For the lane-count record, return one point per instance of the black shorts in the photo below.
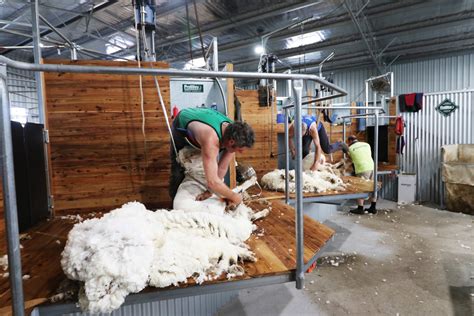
(323, 142)
(177, 172)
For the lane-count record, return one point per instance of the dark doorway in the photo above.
(383, 141)
(30, 174)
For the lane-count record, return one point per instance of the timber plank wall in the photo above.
(97, 147)
(261, 120)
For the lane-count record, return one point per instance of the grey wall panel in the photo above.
(427, 131)
(200, 305)
(389, 187)
(445, 73)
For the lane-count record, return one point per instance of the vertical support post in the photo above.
(392, 85)
(289, 85)
(215, 54)
(73, 53)
(39, 78)
(441, 182)
(287, 159)
(231, 114)
(376, 152)
(375, 102)
(151, 35)
(418, 169)
(37, 58)
(344, 136)
(298, 93)
(9, 199)
(366, 95)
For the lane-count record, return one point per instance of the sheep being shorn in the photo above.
(132, 247)
(193, 185)
(313, 181)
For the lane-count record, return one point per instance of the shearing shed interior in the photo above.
(204, 157)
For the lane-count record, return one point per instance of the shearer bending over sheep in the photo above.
(218, 138)
(313, 131)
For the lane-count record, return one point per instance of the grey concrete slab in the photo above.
(406, 260)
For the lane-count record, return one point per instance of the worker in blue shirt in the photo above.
(313, 132)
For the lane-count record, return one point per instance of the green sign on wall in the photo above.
(193, 88)
(446, 107)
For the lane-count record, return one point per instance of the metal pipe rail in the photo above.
(338, 107)
(7, 156)
(165, 72)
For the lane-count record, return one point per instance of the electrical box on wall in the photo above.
(191, 93)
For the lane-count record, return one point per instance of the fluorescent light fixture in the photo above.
(305, 39)
(296, 56)
(116, 43)
(127, 57)
(195, 63)
(259, 49)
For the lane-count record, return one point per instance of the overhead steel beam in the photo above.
(434, 46)
(19, 24)
(61, 35)
(364, 37)
(332, 44)
(241, 19)
(110, 29)
(27, 35)
(86, 15)
(310, 27)
(100, 6)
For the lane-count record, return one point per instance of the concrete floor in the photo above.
(410, 260)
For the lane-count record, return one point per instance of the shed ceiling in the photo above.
(359, 32)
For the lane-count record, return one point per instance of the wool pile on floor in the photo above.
(132, 247)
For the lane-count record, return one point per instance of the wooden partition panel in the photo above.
(99, 158)
(261, 120)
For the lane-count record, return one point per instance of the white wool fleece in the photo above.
(112, 255)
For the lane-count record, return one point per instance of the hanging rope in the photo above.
(165, 113)
(142, 98)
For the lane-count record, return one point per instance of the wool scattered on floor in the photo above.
(131, 247)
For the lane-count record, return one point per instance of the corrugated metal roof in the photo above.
(401, 29)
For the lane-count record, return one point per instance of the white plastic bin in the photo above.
(406, 188)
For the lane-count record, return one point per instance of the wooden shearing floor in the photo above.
(275, 251)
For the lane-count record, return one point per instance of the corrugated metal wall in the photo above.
(427, 131)
(200, 305)
(446, 73)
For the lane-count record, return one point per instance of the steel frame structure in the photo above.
(8, 170)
